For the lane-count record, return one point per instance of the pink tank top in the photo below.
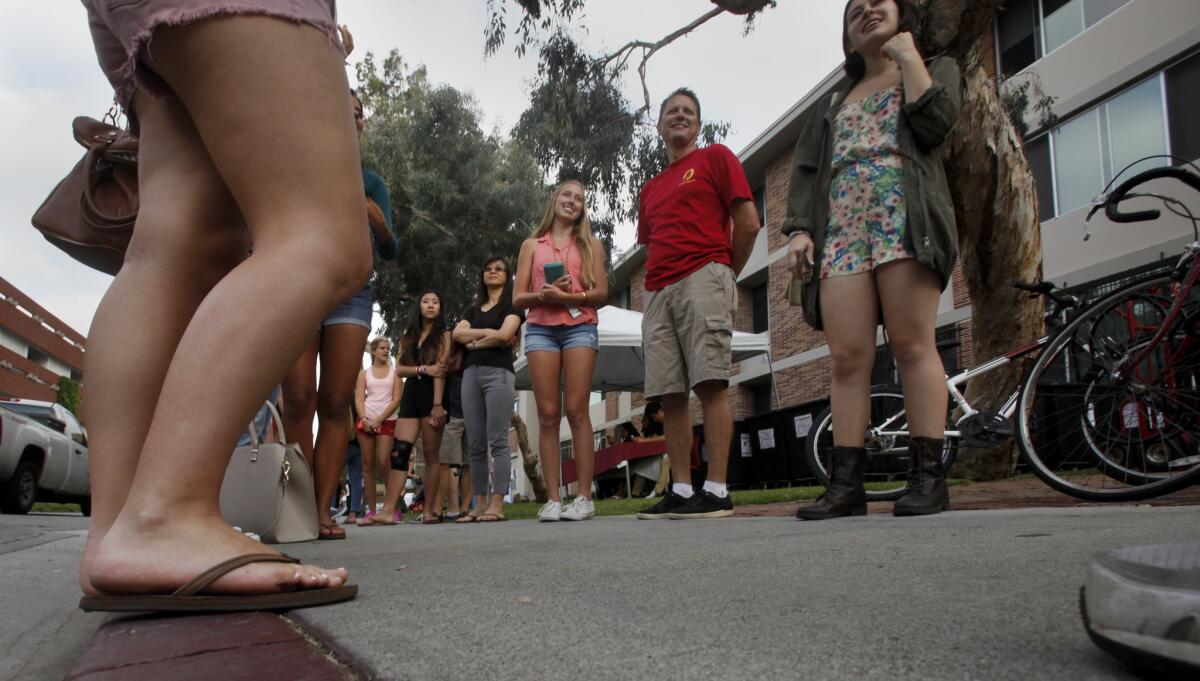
(379, 393)
(548, 314)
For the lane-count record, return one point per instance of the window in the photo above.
(760, 204)
(1183, 107)
(1028, 30)
(759, 310)
(1074, 162)
(565, 449)
(761, 396)
(595, 397)
(37, 356)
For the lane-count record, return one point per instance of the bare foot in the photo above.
(160, 556)
(85, 564)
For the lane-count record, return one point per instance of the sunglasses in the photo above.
(501, 270)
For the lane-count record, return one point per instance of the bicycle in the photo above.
(1108, 411)
(887, 435)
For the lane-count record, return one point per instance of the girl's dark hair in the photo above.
(650, 427)
(431, 349)
(506, 295)
(910, 21)
(628, 430)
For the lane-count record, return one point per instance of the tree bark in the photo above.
(996, 207)
(533, 469)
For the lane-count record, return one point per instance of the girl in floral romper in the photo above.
(871, 234)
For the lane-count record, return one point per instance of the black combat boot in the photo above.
(927, 493)
(844, 495)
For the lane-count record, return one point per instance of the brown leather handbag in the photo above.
(90, 213)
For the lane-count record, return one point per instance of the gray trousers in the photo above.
(487, 398)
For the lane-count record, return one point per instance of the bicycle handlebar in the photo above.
(1110, 205)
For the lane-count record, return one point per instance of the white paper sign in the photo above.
(747, 450)
(766, 439)
(803, 425)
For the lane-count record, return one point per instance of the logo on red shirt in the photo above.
(689, 176)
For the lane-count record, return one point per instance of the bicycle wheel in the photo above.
(1091, 424)
(887, 455)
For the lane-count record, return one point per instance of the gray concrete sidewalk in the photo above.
(42, 631)
(963, 595)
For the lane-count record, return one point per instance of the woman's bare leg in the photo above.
(431, 444)
(849, 307)
(578, 366)
(545, 372)
(299, 387)
(406, 431)
(341, 359)
(910, 292)
(267, 100)
(171, 265)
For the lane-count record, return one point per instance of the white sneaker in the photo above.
(580, 509)
(551, 511)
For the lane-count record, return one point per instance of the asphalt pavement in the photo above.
(962, 595)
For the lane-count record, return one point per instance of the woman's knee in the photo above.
(912, 349)
(578, 415)
(851, 363)
(334, 403)
(548, 416)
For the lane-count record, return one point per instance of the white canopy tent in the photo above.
(620, 365)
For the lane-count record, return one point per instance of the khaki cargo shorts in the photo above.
(687, 331)
(451, 451)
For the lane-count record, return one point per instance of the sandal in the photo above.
(382, 520)
(365, 520)
(466, 519)
(431, 520)
(350, 519)
(188, 598)
(331, 532)
(492, 518)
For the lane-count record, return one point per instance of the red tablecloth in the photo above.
(609, 457)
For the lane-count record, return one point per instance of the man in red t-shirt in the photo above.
(684, 218)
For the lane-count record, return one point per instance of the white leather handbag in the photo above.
(268, 489)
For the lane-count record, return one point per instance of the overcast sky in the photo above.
(48, 75)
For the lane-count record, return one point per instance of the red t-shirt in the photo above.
(684, 214)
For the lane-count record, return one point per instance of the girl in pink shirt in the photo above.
(376, 397)
(561, 338)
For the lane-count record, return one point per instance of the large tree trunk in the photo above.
(995, 202)
(533, 470)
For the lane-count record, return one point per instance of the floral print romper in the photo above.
(867, 210)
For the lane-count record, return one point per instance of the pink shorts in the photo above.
(122, 31)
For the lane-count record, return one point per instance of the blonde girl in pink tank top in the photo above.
(376, 396)
(561, 337)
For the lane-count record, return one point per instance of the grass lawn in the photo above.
(41, 507)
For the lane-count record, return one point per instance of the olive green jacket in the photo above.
(924, 124)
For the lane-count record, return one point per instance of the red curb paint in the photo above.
(252, 646)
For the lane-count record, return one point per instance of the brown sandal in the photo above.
(331, 532)
(188, 598)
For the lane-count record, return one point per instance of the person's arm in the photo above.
(438, 415)
(498, 338)
(360, 392)
(381, 222)
(932, 115)
(523, 297)
(463, 333)
(394, 403)
(745, 231)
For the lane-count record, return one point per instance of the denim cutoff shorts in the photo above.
(357, 310)
(122, 31)
(561, 337)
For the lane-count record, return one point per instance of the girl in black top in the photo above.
(488, 331)
(424, 349)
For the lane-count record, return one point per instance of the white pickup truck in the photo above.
(43, 456)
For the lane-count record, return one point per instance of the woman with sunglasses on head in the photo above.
(424, 348)
(561, 337)
(488, 331)
(871, 229)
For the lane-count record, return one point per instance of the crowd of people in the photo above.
(248, 137)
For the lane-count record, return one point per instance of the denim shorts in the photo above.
(559, 338)
(357, 310)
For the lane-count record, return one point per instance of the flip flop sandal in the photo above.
(380, 520)
(188, 598)
(466, 519)
(435, 520)
(365, 520)
(492, 518)
(330, 532)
